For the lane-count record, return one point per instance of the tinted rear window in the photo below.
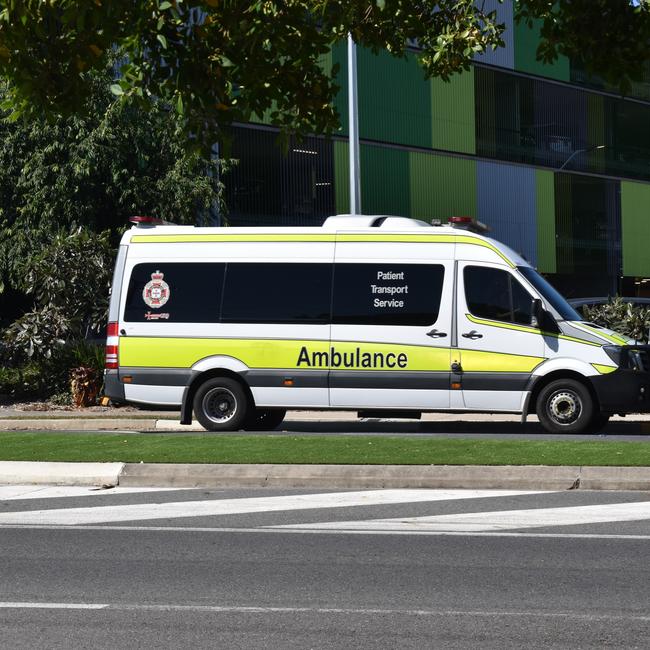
(175, 292)
(277, 293)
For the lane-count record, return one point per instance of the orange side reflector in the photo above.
(288, 381)
(127, 379)
(456, 385)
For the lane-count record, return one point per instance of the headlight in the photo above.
(626, 357)
(614, 352)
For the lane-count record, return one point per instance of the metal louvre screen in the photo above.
(537, 122)
(269, 186)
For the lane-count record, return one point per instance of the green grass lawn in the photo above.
(363, 450)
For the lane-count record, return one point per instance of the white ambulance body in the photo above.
(382, 315)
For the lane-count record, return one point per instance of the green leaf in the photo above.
(116, 89)
(164, 5)
(162, 40)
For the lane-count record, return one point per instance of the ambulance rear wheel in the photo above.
(221, 404)
(565, 406)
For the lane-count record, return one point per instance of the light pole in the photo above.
(577, 151)
(353, 119)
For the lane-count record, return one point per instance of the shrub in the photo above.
(622, 317)
(69, 280)
(26, 382)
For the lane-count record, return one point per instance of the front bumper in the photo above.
(623, 391)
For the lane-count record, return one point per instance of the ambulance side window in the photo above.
(387, 294)
(496, 295)
(174, 292)
(277, 293)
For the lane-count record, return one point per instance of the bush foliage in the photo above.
(67, 188)
(623, 317)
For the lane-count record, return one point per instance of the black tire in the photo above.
(264, 419)
(565, 406)
(598, 422)
(221, 404)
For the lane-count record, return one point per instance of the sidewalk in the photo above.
(326, 477)
(129, 419)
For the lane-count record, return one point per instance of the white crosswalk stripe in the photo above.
(479, 513)
(497, 521)
(213, 507)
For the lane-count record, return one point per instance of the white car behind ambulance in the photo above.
(381, 315)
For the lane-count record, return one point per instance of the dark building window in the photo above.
(277, 293)
(174, 292)
(496, 295)
(588, 235)
(528, 120)
(270, 186)
(387, 294)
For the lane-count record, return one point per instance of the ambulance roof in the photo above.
(338, 223)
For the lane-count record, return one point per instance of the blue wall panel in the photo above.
(506, 203)
(503, 56)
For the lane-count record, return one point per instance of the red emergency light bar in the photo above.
(141, 220)
(468, 223)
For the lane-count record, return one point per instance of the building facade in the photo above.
(555, 163)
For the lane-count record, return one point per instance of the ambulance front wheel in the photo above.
(565, 406)
(221, 404)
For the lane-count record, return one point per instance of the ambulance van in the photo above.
(386, 316)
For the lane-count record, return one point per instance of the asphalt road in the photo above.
(615, 432)
(297, 569)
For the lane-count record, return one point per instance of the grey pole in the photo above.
(353, 115)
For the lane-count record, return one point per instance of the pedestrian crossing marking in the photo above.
(215, 507)
(473, 522)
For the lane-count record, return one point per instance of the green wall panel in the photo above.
(635, 228)
(545, 203)
(341, 177)
(394, 99)
(453, 113)
(441, 186)
(384, 181)
(526, 42)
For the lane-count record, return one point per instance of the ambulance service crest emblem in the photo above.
(156, 291)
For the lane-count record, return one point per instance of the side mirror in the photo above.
(542, 319)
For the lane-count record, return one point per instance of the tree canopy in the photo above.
(222, 61)
(93, 171)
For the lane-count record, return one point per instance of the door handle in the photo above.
(472, 335)
(435, 334)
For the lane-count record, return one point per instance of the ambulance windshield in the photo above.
(550, 294)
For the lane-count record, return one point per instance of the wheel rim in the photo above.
(219, 405)
(564, 407)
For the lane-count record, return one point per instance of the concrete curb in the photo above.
(356, 476)
(77, 424)
(37, 473)
(502, 477)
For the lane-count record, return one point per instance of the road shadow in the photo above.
(637, 429)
